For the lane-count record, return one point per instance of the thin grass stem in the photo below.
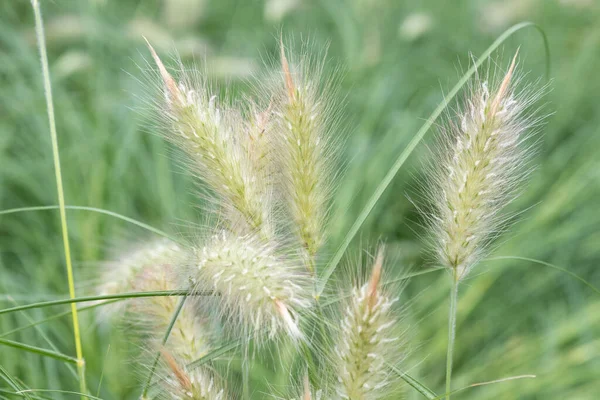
(41, 40)
(451, 332)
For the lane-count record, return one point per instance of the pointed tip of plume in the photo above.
(169, 82)
(306, 383)
(285, 66)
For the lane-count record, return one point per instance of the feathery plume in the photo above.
(213, 136)
(305, 119)
(128, 272)
(367, 341)
(481, 166)
(257, 288)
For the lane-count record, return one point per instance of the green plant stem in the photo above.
(41, 40)
(451, 332)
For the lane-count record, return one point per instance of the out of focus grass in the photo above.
(515, 317)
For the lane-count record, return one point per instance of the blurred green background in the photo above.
(515, 317)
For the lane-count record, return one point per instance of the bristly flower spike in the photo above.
(212, 134)
(368, 341)
(305, 121)
(258, 290)
(481, 167)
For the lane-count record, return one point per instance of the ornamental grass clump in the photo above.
(250, 276)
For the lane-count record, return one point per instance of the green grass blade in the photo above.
(93, 209)
(215, 353)
(45, 337)
(84, 299)
(330, 268)
(38, 350)
(415, 384)
(87, 396)
(547, 264)
(52, 317)
(511, 378)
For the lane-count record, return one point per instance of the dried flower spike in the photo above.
(367, 341)
(480, 170)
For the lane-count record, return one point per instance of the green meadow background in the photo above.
(398, 58)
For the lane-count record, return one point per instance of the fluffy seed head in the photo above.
(214, 136)
(129, 271)
(305, 117)
(258, 289)
(367, 341)
(482, 163)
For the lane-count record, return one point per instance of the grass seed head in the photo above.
(196, 384)
(305, 115)
(214, 135)
(482, 163)
(368, 340)
(128, 273)
(258, 289)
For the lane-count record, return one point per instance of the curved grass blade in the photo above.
(510, 378)
(52, 317)
(93, 209)
(84, 299)
(38, 350)
(418, 386)
(415, 141)
(44, 336)
(88, 396)
(547, 264)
